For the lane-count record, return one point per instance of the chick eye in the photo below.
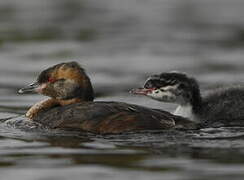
(162, 90)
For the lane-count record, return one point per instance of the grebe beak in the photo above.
(30, 88)
(142, 91)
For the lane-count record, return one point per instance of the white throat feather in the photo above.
(186, 112)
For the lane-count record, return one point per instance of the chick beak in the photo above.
(141, 91)
(30, 88)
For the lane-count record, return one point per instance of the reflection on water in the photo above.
(169, 154)
(120, 43)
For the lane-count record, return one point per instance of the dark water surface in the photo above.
(120, 43)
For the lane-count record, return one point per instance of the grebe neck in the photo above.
(185, 111)
(192, 108)
(196, 101)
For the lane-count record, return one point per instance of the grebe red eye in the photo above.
(51, 80)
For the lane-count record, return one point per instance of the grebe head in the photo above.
(171, 87)
(63, 81)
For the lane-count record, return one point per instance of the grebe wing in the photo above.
(106, 117)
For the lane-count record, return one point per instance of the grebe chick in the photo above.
(71, 106)
(221, 107)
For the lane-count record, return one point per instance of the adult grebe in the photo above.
(71, 106)
(221, 107)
